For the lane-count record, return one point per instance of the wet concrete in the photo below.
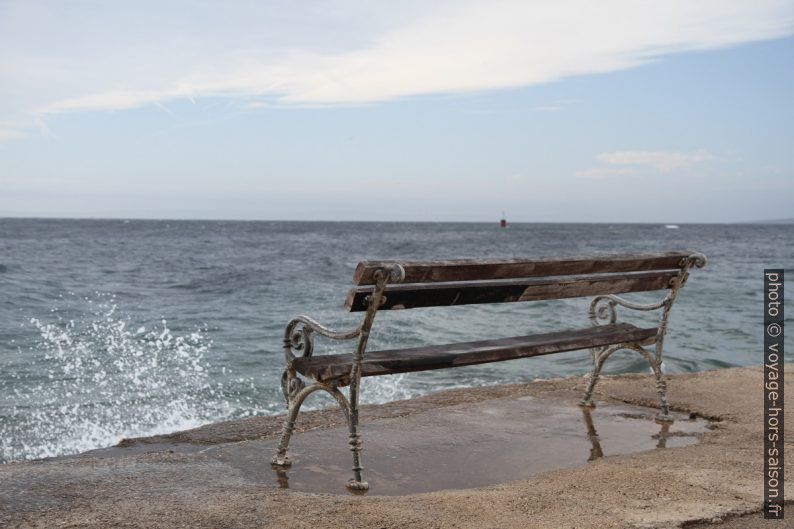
(454, 447)
(218, 475)
(460, 447)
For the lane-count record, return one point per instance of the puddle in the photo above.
(464, 446)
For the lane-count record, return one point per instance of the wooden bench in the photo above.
(392, 285)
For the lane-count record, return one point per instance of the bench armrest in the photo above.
(298, 336)
(602, 308)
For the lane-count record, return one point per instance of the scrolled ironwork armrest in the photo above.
(298, 336)
(602, 307)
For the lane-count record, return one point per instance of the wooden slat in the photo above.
(337, 367)
(413, 295)
(481, 269)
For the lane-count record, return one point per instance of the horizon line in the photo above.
(199, 219)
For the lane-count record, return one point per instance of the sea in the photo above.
(112, 329)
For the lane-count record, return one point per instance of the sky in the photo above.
(577, 111)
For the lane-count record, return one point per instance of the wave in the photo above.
(90, 382)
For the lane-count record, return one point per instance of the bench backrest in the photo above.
(468, 281)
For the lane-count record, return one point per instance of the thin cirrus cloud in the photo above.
(634, 162)
(558, 106)
(662, 161)
(338, 52)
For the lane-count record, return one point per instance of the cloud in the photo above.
(634, 162)
(600, 173)
(662, 161)
(557, 106)
(107, 56)
(10, 134)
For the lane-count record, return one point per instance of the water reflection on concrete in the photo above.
(468, 446)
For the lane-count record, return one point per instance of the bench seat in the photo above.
(336, 368)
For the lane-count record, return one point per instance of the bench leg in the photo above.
(661, 389)
(281, 459)
(357, 482)
(599, 357)
(587, 400)
(291, 385)
(294, 401)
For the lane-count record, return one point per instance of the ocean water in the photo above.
(122, 328)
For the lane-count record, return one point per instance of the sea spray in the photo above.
(88, 382)
(92, 378)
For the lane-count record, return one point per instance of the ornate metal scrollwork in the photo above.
(299, 336)
(322, 329)
(602, 308)
(302, 341)
(697, 259)
(291, 385)
(396, 273)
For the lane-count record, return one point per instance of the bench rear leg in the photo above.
(661, 389)
(598, 363)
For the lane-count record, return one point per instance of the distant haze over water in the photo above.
(121, 328)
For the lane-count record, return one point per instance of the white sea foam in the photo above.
(89, 383)
(376, 390)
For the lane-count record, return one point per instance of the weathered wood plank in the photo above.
(326, 368)
(414, 295)
(480, 269)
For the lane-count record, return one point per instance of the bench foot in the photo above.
(357, 485)
(661, 390)
(357, 481)
(664, 418)
(281, 461)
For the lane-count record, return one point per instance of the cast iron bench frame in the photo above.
(385, 285)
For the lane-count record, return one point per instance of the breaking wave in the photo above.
(89, 383)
